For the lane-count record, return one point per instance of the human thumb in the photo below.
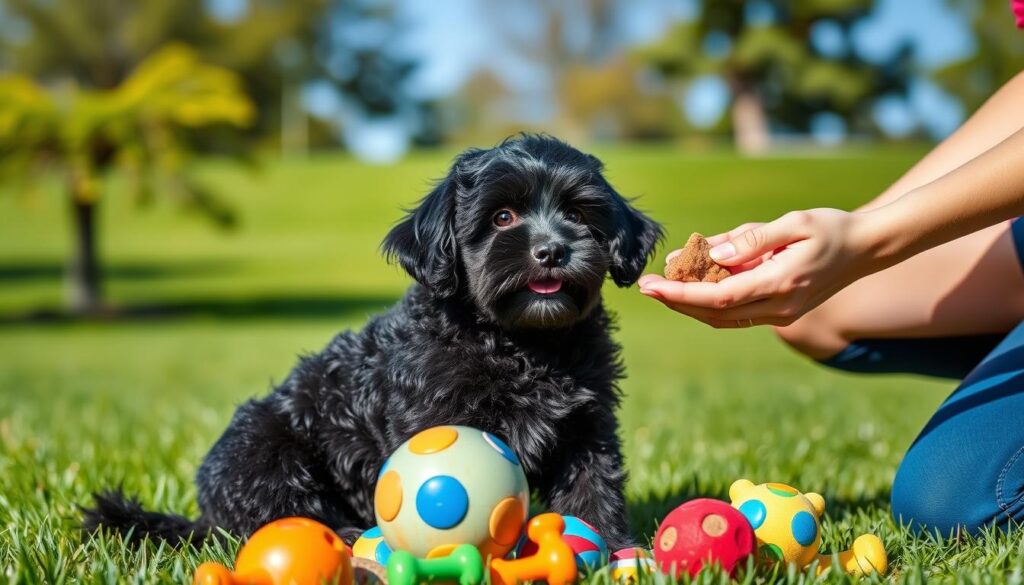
(753, 243)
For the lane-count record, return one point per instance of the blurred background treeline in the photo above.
(142, 88)
(381, 76)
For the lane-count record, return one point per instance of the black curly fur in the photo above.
(113, 508)
(469, 344)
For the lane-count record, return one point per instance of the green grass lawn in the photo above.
(139, 401)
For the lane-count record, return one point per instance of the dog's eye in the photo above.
(504, 218)
(574, 215)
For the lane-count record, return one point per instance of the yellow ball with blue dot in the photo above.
(452, 485)
(785, 521)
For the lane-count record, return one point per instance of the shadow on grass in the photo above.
(839, 507)
(43, 270)
(299, 307)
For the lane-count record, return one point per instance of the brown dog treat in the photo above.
(695, 263)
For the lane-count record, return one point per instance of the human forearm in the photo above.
(994, 121)
(984, 191)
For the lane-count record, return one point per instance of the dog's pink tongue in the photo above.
(546, 286)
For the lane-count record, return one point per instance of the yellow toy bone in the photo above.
(787, 524)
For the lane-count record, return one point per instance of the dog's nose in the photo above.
(550, 254)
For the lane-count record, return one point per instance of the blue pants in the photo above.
(966, 468)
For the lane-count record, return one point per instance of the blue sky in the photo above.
(455, 38)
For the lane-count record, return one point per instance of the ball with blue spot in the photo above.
(805, 528)
(502, 448)
(785, 520)
(371, 545)
(448, 486)
(442, 502)
(755, 512)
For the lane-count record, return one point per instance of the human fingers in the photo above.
(778, 311)
(761, 240)
(726, 236)
(736, 290)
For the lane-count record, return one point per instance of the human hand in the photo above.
(781, 269)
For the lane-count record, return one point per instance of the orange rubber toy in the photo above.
(289, 551)
(554, 561)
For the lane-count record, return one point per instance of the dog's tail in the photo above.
(115, 511)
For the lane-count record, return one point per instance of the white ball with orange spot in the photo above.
(448, 486)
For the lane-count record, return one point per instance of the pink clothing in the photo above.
(1018, 10)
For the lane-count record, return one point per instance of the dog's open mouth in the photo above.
(545, 286)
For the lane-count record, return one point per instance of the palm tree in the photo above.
(139, 128)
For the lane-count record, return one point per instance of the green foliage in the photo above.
(89, 405)
(138, 127)
(999, 54)
(271, 45)
(97, 44)
(609, 101)
(775, 61)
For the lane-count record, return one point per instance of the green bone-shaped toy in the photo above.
(463, 565)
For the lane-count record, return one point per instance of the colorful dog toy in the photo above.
(554, 561)
(371, 545)
(788, 529)
(462, 565)
(289, 551)
(627, 564)
(702, 533)
(448, 486)
(368, 572)
(582, 538)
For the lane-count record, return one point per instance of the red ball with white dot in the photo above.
(702, 533)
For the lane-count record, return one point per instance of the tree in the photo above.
(773, 71)
(610, 101)
(97, 44)
(276, 46)
(998, 57)
(361, 54)
(567, 43)
(141, 128)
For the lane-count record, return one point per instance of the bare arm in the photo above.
(791, 265)
(994, 122)
(984, 191)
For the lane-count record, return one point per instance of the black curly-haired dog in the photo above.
(505, 331)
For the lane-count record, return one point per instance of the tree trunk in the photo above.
(749, 123)
(84, 295)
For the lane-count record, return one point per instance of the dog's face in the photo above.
(526, 232)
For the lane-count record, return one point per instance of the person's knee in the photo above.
(930, 495)
(814, 335)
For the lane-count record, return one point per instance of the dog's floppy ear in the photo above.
(424, 242)
(631, 242)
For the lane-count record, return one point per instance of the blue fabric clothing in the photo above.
(945, 357)
(966, 468)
